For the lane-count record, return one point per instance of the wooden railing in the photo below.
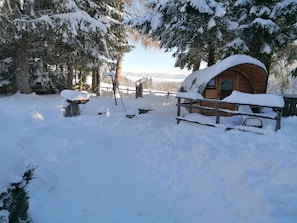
(218, 108)
(290, 108)
(129, 90)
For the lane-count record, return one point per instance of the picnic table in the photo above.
(196, 102)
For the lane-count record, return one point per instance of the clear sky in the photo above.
(150, 60)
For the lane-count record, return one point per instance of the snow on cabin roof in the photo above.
(271, 100)
(198, 80)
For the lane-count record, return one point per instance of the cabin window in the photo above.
(226, 87)
(211, 83)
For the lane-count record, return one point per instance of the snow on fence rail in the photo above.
(196, 103)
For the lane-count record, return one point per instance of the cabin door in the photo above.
(226, 87)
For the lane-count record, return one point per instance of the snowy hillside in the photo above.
(112, 169)
(157, 76)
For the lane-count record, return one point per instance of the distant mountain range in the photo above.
(156, 76)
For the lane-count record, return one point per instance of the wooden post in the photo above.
(136, 91)
(278, 119)
(191, 104)
(290, 107)
(178, 109)
(141, 90)
(72, 109)
(139, 87)
(217, 112)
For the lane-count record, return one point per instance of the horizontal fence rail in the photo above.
(217, 107)
(145, 91)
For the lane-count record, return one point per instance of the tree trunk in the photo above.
(266, 59)
(70, 76)
(263, 57)
(81, 82)
(211, 56)
(22, 67)
(120, 59)
(96, 81)
(197, 63)
(118, 71)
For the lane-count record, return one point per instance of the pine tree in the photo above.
(6, 68)
(14, 26)
(212, 30)
(193, 29)
(261, 29)
(14, 203)
(78, 33)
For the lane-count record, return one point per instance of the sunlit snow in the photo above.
(111, 169)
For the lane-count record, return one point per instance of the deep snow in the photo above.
(112, 169)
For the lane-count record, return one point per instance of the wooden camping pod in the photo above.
(247, 78)
(237, 72)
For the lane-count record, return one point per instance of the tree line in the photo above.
(211, 30)
(44, 42)
(47, 44)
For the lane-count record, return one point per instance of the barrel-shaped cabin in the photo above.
(238, 72)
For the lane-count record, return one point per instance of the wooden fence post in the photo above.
(278, 119)
(178, 109)
(217, 113)
(290, 107)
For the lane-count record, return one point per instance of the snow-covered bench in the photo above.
(243, 101)
(73, 99)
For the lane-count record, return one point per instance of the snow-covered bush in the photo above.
(40, 79)
(14, 203)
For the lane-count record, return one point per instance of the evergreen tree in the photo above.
(15, 32)
(193, 29)
(6, 68)
(81, 33)
(14, 203)
(283, 66)
(211, 30)
(262, 28)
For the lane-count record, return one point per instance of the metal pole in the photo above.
(122, 100)
(114, 89)
(115, 86)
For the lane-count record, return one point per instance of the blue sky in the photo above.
(150, 60)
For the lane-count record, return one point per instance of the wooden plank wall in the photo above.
(290, 108)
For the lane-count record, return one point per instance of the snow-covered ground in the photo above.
(111, 169)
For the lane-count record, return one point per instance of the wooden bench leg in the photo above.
(72, 109)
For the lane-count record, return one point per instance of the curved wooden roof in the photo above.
(253, 69)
